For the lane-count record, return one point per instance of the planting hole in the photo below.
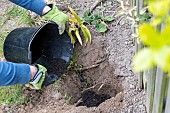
(92, 99)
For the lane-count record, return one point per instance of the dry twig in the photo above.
(89, 67)
(78, 102)
(95, 4)
(92, 87)
(97, 63)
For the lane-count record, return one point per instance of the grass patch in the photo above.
(12, 95)
(20, 13)
(3, 35)
(2, 39)
(14, 13)
(1, 48)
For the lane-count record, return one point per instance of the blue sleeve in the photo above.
(12, 73)
(36, 6)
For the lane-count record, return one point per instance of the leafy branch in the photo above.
(129, 14)
(98, 20)
(76, 23)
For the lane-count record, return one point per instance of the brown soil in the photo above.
(111, 83)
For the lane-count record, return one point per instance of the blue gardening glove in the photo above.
(58, 17)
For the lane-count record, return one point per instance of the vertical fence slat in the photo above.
(134, 3)
(140, 77)
(150, 89)
(145, 79)
(139, 5)
(159, 91)
(140, 80)
(167, 107)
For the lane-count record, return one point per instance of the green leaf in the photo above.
(165, 35)
(156, 21)
(96, 16)
(159, 7)
(86, 33)
(143, 60)
(168, 19)
(108, 18)
(76, 16)
(101, 27)
(95, 22)
(99, 7)
(71, 32)
(162, 58)
(88, 19)
(144, 17)
(78, 36)
(102, 17)
(86, 13)
(149, 36)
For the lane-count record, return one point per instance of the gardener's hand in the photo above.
(58, 17)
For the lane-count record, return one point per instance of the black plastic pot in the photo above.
(42, 45)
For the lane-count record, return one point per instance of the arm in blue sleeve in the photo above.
(36, 6)
(12, 73)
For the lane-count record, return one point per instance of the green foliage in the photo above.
(144, 17)
(101, 27)
(149, 57)
(2, 21)
(98, 20)
(126, 13)
(76, 23)
(73, 63)
(22, 15)
(159, 7)
(11, 95)
(157, 42)
(143, 59)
